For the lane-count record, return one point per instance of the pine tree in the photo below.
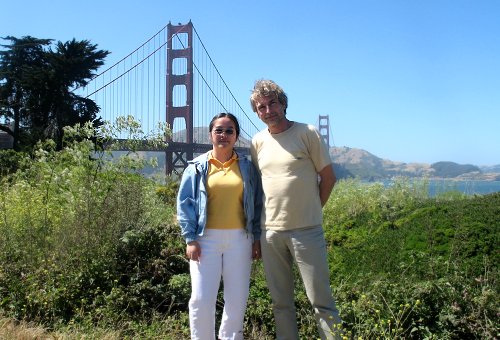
(36, 88)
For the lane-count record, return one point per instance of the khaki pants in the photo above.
(307, 248)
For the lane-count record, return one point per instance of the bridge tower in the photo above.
(177, 154)
(324, 128)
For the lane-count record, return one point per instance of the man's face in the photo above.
(270, 110)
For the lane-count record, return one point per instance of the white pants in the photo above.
(225, 253)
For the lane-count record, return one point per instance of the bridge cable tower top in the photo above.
(324, 128)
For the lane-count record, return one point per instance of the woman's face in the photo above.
(223, 134)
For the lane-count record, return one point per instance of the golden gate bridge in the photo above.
(172, 79)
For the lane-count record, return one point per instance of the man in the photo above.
(297, 179)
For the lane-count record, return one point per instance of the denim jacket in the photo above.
(192, 198)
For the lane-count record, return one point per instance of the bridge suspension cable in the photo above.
(136, 85)
(224, 82)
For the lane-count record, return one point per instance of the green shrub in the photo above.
(168, 192)
(11, 161)
(75, 231)
(90, 246)
(425, 272)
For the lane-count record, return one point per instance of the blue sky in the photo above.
(406, 80)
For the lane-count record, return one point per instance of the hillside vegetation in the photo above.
(89, 248)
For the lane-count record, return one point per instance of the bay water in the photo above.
(468, 187)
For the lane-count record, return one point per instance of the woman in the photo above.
(218, 208)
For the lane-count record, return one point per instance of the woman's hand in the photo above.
(193, 251)
(256, 254)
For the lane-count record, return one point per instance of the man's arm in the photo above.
(327, 182)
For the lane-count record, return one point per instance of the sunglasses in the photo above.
(221, 131)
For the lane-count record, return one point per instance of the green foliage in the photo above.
(89, 245)
(449, 302)
(259, 314)
(125, 133)
(36, 88)
(168, 192)
(84, 236)
(11, 161)
(406, 266)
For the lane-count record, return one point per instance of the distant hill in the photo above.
(361, 164)
(492, 168)
(450, 169)
(352, 162)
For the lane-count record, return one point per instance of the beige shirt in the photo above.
(289, 163)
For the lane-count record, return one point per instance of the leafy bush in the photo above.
(417, 271)
(10, 161)
(89, 246)
(82, 236)
(168, 192)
